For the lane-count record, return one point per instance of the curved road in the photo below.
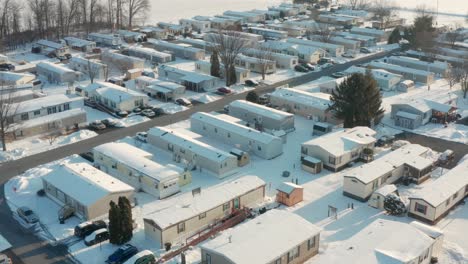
(29, 249)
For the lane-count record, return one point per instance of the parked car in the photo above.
(61, 58)
(97, 125)
(338, 74)
(326, 65)
(122, 254)
(365, 50)
(348, 55)
(384, 141)
(109, 122)
(96, 237)
(325, 60)
(158, 111)
(65, 212)
(142, 257)
(183, 101)
(86, 228)
(122, 113)
(4, 259)
(300, 68)
(27, 215)
(224, 90)
(308, 66)
(7, 67)
(446, 156)
(137, 110)
(251, 83)
(141, 136)
(68, 56)
(148, 113)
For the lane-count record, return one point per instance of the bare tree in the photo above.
(92, 71)
(453, 36)
(453, 76)
(357, 4)
(51, 138)
(229, 44)
(384, 11)
(265, 59)
(7, 110)
(464, 81)
(135, 8)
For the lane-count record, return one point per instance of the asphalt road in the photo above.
(30, 249)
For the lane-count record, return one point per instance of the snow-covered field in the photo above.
(320, 191)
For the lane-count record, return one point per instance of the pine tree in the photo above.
(357, 101)
(115, 232)
(126, 219)
(394, 205)
(215, 65)
(395, 36)
(252, 96)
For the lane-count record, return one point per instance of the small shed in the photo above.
(243, 158)
(289, 194)
(311, 164)
(377, 198)
(405, 86)
(321, 128)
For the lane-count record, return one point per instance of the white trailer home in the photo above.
(217, 22)
(135, 167)
(365, 41)
(184, 51)
(151, 55)
(435, 199)
(89, 67)
(185, 148)
(242, 74)
(332, 49)
(114, 97)
(228, 130)
(174, 29)
(409, 162)
(192, 81)
(416, 75)
(386, 80)
(440, 68)
(57, 73)
(348, 44)
(342, 20)
(154, 32)
(311, 105)
(47, 47)
(381, 242)
(85, 188)
(305, 53)
(380, 35)
(80, 44)
(292, 30)
(262, 117)
(165, 90)
(178, 218)
(269, 33)
(248, 17)
(15, 79)
(337, 149)
(121, 61)
(144, 81)
(196, 25)
(110, 40)
(255, 64)
(283, 234)
(132, 36)
(282, 60)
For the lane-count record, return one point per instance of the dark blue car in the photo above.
(122, 254)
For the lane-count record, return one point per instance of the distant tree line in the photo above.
(24, 21)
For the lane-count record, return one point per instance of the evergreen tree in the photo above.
(357, 101)
(115, 234)
(215, 65)
(395, 36)
(252, 96)
(394, 205)
(126, 221)
(232, 75)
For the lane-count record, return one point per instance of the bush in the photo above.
(394, 205)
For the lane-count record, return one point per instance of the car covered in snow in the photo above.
(142, 257)
(96, 237)
(183, 101)
(97, 125)
(27, 215)
(224, 90)
(148, 113)
(4, 259)
(251, 83)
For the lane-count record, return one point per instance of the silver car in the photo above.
(27, 215)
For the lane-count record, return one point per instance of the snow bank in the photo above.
(132, 120)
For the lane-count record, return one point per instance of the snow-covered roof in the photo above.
(259, 29)
(254, 60)
(288, 187)
(76, 42)
(175, 46)
(344, 40)
(185, 206)
(444, 187)
(378, 74)
(443, 102)
(189, 76)
(435, 64)
(43, 102)
(371, 31)
(84, 61)
(187, 142)
(139, 160)
(127, 33)
(343, 141)
(382, 241)
(49, 44)
(274, 55)
(412, 155)
(151, 52)
(7, 76)
(52, 67)
(318, 44)
(104, 36)
(315, 100)
(240, 13)
(280, 231)
(47, 119)
(398, 68)
(407, 115)
(431, 231)
(113, 92)
(84, 183)
(358, 37)
(386, 189)
(262, 110)
(234, 127)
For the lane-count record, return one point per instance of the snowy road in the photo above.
(31, 249)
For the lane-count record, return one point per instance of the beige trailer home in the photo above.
(177, 219)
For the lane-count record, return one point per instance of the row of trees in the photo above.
(120, 221)
(21, 22)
